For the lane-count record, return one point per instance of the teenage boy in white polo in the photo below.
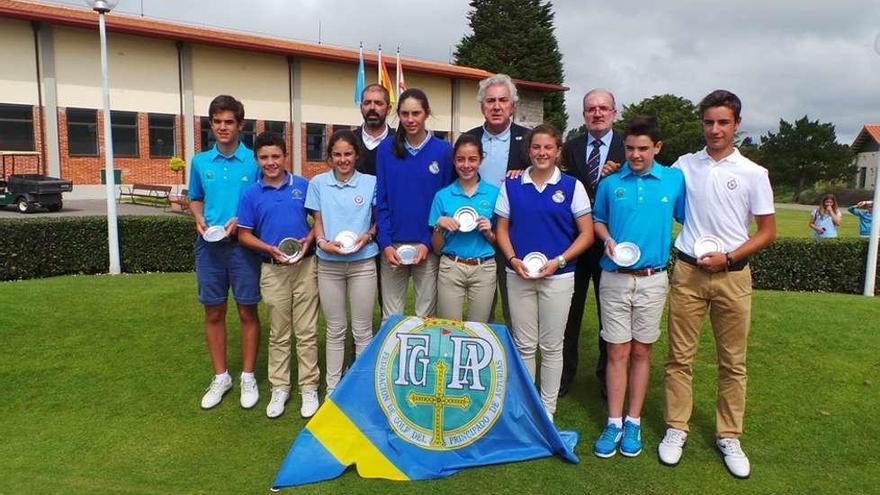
(271, 210)
(725, 190)
(218, 178)
(636, 205)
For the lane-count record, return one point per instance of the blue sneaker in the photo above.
(606, 445)
(631, 445)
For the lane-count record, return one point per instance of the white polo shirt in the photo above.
(722, 198)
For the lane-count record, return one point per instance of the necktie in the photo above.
(593, 163)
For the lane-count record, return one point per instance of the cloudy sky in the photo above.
(784, 58)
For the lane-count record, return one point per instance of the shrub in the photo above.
(45, 247)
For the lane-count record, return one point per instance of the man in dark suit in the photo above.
(375, 105)
(503, 151)
(584, 158)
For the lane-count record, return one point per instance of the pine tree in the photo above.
(516, 37)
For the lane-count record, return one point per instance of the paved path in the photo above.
(88, 207)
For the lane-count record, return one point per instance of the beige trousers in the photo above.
(395, 279)
(539, 309)
(291, 296)
(340, 282)
(727, 296)
(457, 282)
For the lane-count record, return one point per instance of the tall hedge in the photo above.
(45, 247)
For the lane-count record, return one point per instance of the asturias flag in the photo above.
(428, 398)
(360, 79)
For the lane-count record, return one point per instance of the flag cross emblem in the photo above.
(439, 401)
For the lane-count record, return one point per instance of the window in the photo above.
(124, 126)
(16, 127)
(162, 135)
(316, 137)
(206, 134)
(246, 135)
(82, 132)
(248, 132)
(274, 126)
(341, 127)
(444, 135)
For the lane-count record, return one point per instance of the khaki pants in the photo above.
(291, 296)
(395, 278)
(539, 309)
(728, 298)
(457, 282)
(339, 282)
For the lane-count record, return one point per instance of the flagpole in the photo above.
(397, 73)
(379, 67)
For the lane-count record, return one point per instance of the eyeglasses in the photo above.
(598, 109)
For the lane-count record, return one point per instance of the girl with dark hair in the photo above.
(544, 224)
(342, 201)
(826, 218)
(461, 216)
(410, 169)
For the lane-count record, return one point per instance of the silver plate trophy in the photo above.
(626, 254)
(407, 254)
(291, 248)
(467, 218)
(534, 261)
(347, 239)
(215, 233)
(707, 244)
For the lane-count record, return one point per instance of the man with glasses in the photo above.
(584, 158)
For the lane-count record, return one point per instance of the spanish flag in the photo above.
(428, 398)
(385, 79)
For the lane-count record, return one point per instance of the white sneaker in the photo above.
(250, 393)
(734, 458)
(277, 402)
(670, 448)
(216, 390)
(310, 403)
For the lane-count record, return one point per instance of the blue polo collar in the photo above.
(656, 171)
(288, 182)
(352, 181)
(241, 153)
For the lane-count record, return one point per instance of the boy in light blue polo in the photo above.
(636, 206)
(862, 210)
(218, 179)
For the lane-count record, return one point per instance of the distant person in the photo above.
(825, 219)
(725, 191)
(637, 206)
(410, 169)
(467, 251)
(375, 105)
(585, 158)
(342, 200)
(862, 210)
(273, 210)
(218, 179)
(542, 212)
(503, 150)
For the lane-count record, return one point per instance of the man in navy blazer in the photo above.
(584, 158)
(503, 150)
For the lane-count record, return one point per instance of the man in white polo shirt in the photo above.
(725, 190)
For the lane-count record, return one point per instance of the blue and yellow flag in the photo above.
(360, 80)
(428, 398)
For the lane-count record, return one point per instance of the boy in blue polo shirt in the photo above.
(862, 210)
(272, 210)
(218, 178)
(636, 206)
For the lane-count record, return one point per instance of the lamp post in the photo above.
(102, 7)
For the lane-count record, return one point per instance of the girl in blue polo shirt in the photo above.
(465, 243)
(410, 169)
(543, 211)
(342, 201)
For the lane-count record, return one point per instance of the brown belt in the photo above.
(643, 272)
(469, 261)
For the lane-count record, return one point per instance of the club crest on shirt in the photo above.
(358, 200)
(619, 193)
(731, 184)
(484, 204)
(209, 175)
(296, 194)
(664, 199)
(558, 196)
(434, 167)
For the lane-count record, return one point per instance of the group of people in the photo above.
(825, 219)
(505, 215)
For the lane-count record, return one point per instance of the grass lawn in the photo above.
(792, 221)
(101, 379)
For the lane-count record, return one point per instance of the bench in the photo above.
(179, 202)
(153, 195)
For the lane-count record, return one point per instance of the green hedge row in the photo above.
(45, 247)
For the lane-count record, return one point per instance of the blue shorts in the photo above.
(224, 264)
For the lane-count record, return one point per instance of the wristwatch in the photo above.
(560, 260)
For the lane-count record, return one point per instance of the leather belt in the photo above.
(469, 261)
(735, 267)
(273, 261)
(643, 272)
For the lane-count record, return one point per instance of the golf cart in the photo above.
(30, 191)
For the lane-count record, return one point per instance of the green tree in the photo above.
(516, 37)
(678, 119)
(802, 153)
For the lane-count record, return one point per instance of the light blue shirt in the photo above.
(640, 209)
(603, 150)
(344, 206)
(414, 150)
(219, 181)
(452, 197)
(496, 151)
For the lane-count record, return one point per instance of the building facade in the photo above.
(866, 150)
(164, 75)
